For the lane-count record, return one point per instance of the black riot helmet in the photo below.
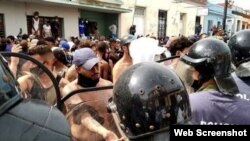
(239, 44)
(127, 39)
(212, 59)
(149, 97)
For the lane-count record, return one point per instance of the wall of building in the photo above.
(246, 22)
(215, 18)
(241, 20)
(173, 20)
(125, 20)
(187, 24)
(237, 23)
(15, 16)
(151, 16)
(215, 14)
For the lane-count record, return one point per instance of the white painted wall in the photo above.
(151, 16)
(15, 16)
(174, 22)
(235, 23)
(126, 19)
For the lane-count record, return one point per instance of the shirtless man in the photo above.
(87, 121)
(105, 63)
(126, 60)
(39, 86)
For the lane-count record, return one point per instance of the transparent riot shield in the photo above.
(185, 73)
(94, 102)
(35, 119)
(183, 70)
(35, 80)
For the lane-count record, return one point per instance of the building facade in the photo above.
(159, 19)
(215, 18)
(241, 19)
(162, 18)
(16, 15)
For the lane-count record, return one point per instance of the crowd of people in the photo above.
(206, 82)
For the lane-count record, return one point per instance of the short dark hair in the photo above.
(39, 49)
(72, 38)
(102, 46)
(179, 45)
(112, 40)
(36, 13)
(85, 43)
(25, 36)
(41, 42)
(50, 39)
(11, 37)
(24, 45)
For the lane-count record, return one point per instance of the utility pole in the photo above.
(225, 15)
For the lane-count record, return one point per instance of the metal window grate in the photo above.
(162, 24)
(2, 26)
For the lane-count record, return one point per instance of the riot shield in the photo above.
(94, 101)
(26, 119)
(35, 80)
(183, 71)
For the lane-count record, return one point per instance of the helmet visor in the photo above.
(185, 72)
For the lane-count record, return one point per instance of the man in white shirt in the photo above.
(47, 30)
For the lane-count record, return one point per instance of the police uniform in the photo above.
(214, 101)
(243, 85)
(239, 45)
(211, 107)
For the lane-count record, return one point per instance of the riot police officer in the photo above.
(148, 98)
(214, 101)
(27, 120)
(240, 49)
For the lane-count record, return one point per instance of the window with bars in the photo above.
(2, 25)
(42, 21)
(162, 24)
